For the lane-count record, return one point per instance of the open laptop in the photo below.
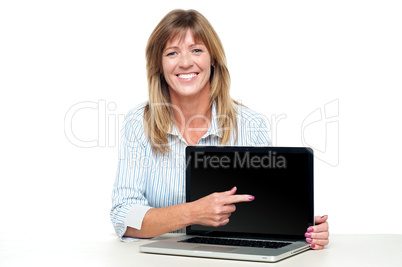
(269, 228)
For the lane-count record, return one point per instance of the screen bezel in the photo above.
(242, 149)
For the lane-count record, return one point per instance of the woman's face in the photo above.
(186, 67)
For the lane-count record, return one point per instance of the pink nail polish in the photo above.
(312, 246)
(310, 229)
(307, 235)
(309, 240)
(323, 216)
(251, 197)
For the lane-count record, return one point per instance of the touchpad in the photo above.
(213, 249)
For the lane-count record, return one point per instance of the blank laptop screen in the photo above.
(281, 179)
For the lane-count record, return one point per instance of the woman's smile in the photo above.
(187, 76)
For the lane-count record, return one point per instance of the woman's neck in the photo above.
(192, 116)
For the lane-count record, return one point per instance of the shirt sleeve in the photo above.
(129, 203)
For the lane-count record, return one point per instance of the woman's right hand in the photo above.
(215, 209)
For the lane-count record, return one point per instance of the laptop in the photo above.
(269, 228)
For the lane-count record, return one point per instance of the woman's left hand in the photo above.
(318, 235)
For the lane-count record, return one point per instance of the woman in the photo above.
(189, 104)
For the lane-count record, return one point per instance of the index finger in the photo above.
(238, 198)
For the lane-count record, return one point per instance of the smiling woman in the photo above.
(186, 68)
(189, 104)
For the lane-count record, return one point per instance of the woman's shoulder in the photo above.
(137, 112)
(246, 115)
(133, 126)
(253, 127)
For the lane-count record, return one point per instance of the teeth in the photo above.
(187, 76)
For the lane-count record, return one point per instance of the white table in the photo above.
(108, 250)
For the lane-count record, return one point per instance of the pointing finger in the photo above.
(239, 198)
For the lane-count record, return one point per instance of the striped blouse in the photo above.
(148, 180)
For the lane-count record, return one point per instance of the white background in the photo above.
(286, 58)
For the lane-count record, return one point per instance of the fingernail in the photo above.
(312, 246)
(233, 188)
(307, 235)
(323, 216)
(310, 229)
(309, 240)
(251, 197)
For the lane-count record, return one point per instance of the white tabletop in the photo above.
(108, 250)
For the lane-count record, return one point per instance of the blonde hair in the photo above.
(158, 113)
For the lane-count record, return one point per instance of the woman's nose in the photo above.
(186, 60)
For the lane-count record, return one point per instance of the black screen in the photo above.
(281, 179)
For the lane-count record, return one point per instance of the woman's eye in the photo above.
(171, 54)
(197, 50)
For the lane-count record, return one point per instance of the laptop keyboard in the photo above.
(235, 242)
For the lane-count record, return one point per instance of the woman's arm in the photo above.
(212, 210)
(158, 221)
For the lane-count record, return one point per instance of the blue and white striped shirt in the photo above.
(148, 180)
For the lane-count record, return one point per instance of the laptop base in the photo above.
(173, 247)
